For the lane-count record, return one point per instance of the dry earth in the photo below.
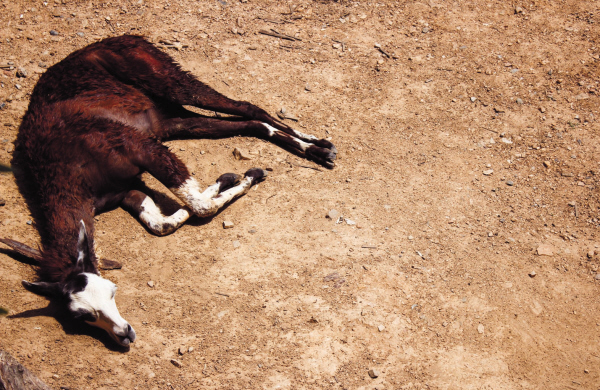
(468, 136)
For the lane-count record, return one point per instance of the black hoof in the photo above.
(323, 156)
(256, 174)
(228, 180)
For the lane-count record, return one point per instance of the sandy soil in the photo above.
(468, 136)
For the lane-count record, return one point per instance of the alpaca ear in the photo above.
(84, 260)
(43, 288)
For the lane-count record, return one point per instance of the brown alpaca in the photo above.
(94, 124)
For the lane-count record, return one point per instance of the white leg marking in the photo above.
(305, 136)
(301, 144)
(207, 203)
(159, 223)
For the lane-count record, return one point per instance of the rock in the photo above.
(190, 349)
(373, 373)
(236, 244)
(53, 32)
(239, 155)
(532, 274)
(333, 214)
(176, 363)
(182, 350)
(480, 328)
(506, 141)
(546, 164)
(597, 277)
(387, 206)
(518, 10)
(591, 253)
(510, 183)
(252, 231)
(307, 87)
(80, 34)
(488, 172)
(499, 110)
(411, 238)
(151, 284)
(22, 72)
(519, 101)
(381, 328)
(425, 30)
(2, 202)
(545, 250)
(349, 222)
(227, 224)
(473, 99)
(29, 222)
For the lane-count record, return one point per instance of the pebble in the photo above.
(488, 172)
(473, 98)
(591, 253)
(532, 274)
(547, 164)
(239, 155)
(227, 224)
(506, 140)
(252, 231)
(307, 87)
(29, 222)
(2, 202)
(236, 244)
(480, 328)
(387, 206)
(190, 349)
(333, 214)
(545, 250)
(349, 221)
(55, 376)
(182, 350)
(410, 238)
(53, 32)
(176, 363)
(381, 328)
(373, 373)
(80, 34)
(510, 183)
(425, 30)
(519, 101)
(597, 277)
(151, 284)
(18, 86)
(22, 72)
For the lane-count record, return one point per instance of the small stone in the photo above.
(506, 141)
(349, 222)
(42, 64)
(518, 10)
(545, 250)
(2, 202)
(151, 284)
(18, 86)
(510, 183)
(381, 328)
(499, 110)
(591, 253)
(307, 87)
(586, 371)
(490, 234)
(176, 363)
(488, 172)
(53, 32)
(227, 224)
(411, 238)
(190, 349)
(55, 376)
(473, 98)
(597, 277)
(532, 274)
(252, 231)
(239, 155)
(425, 30)
(387, 206)
(182, 350)
(80, 34)
(480, 328)
(333, 214)
(374, 373)
(547, 164)
(22, 72)
(542, 110)
(519, 101)
(236, 244)
(29, 222)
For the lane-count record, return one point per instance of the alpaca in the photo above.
(95, 122)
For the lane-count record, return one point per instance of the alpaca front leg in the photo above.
(147, 211)
(208, 202)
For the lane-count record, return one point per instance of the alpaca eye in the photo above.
(84, 316)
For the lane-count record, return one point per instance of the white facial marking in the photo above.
(98, 298)
(159, 223)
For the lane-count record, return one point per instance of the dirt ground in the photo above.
(467, 181)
